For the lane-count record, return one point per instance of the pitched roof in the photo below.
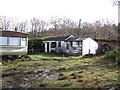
(76, 39)
(60, 38)
(65, 38)
(12, 33)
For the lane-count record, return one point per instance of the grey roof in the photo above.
(65, 38)
(76, 39)
(60, 38)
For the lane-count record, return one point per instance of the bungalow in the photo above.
(13, 43)
(71, 45)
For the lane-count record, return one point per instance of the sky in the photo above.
(86, 10)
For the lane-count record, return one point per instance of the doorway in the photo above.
(47, 47)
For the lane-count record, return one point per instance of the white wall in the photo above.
(89, 46)
(63, 44)
(13, 50)
(45, 47)
(13, 46)
(23, 41)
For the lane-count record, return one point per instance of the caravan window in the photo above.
(14, 41)
(3, 41)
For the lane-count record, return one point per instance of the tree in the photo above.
(38, 27)
(108, 28)
(67, 23)
(88, 30)
(22, 26)
(55, 22)
(116, 2)
(6, 23)
(16, 28)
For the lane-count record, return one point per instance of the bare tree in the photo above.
(67, 23)
(88, 29)
(97, 30)
(55, 22)
(108, 28)
(6, 23)
(21, 26)
(38, 27)
(43, 27)
(116, 2)
(34, 24)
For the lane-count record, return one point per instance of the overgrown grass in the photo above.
(93, 72)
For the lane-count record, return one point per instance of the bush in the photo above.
(115, 54)
(35, 45)
(111, 54)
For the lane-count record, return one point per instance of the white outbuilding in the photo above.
(71, 45)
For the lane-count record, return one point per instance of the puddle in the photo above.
(54, 77)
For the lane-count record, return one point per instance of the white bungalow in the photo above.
(71, 45)
(13, 43)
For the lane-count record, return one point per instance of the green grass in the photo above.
(96, 71)
(47, 56)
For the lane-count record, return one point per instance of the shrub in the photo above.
(111, 54)
(115, 54)
(35, 44)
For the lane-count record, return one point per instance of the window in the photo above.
(53, 45)
(79, 43)
(14, 41)
(10, 41)
(3, 41)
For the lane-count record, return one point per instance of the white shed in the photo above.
(13, 43)
(89, 46)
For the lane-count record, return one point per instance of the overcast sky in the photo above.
(87, 10)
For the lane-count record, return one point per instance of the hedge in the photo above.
(35, 45)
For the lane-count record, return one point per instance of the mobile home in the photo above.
(13, 43)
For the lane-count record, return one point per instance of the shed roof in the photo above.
(60, 38)
(12, 33)
(76, 39)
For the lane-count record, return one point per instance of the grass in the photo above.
(93, 72)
